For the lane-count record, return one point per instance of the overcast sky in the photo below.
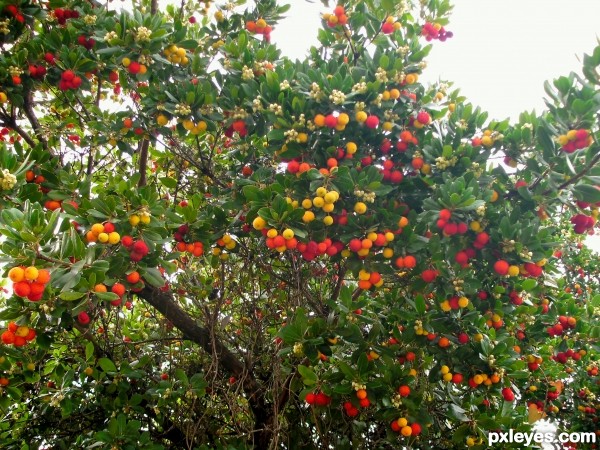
(501, 53)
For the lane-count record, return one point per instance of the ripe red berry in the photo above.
(83, 318)
(501, 267)
(372, 122)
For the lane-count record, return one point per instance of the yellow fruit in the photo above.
(351, 148)
(321, 192)
(126, 62)
(134, 220)
(372, 236)
(318, 202)
(487, 141)
(389, 236)
(447, 377)
(361, 116)
(328, 220)
(343, 119)
(307, 203)
(31, 273)
(331, 197)
(162, 120)
(478, 379)
(308, 216)
(272, 233)
(22, 331)
(103, 237)
(475, 226)
(259, 223)
(411, 78)
(97, 228)
(113, 238)
(287, 234)
(444, 370)
(88, 371)
(406, 431)
(360, 208)
(16, 274)
(188, 124)
(387, 253)
(363, 275)
(145, 219)
(302, 138)
(572, 135)
(3, 97)
(445, 305)
(319, 120)
(513, 271)
(402, 422)
(387, 126)
(463, 302)
(328, 207)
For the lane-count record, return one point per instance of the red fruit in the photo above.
(8, 337)
(457, 378)
(387, 28)
(164, 376)
(293, 166)
(134, 67)
(22, 288)
(310, 398)
(118, 289)
(424, 117)
(364, 402)
(372, 122)
(140, 247)
(416, 429)
(127, 241)
(113, 76)
(68, 75)
(508, 394)
(463, 338)
(331, 121)
(133, 277)
(83, 318)
(109, 227)
(429, 275)
(322, 399)
(521, 183)
(404, 390)
(450, 229)
(461, 258)
(501, 267)
(445, 214)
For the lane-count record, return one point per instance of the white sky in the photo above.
(501, 53)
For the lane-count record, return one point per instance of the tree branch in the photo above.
(33, 120)
(263, 413)
(143, 150)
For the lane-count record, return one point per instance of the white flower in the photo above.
(8, 180)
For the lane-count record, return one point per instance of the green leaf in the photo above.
(71, 295)
(152, 276)
(107, 365)
(529, 284)
(586, 193)
(171, 183)
(309, 377)
(420, 305)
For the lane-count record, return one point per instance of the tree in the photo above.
(212, 246)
